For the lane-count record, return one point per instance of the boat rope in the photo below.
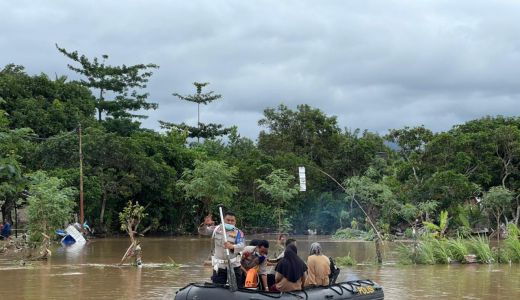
(339, 288)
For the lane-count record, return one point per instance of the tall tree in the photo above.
(205, 131)
(122, 81)
(46, 106)
(50, 205)
(210, 181)
(507, 148)
(498, 202)
(202, 130)
(278, 186)
(412, 143)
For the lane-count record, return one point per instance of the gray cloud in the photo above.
(374, 64)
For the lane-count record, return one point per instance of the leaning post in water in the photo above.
(301, 173)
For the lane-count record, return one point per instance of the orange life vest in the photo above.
(252, 278)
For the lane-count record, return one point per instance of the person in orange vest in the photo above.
(254, 263)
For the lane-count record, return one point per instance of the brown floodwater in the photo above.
(93, 272)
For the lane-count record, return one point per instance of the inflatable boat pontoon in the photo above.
(357, 289)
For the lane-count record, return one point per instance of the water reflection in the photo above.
(93, 272)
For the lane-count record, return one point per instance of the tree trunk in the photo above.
(103, 205)
(379, 253)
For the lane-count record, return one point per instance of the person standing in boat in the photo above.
(318, 267)
(235, 244)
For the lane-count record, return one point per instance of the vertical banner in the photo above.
(301, 172)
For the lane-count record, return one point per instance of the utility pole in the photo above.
(81, 215)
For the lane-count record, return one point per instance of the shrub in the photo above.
(511, 251)
(480, 247)
(458, 249)
(408, 233)
(346, 261)
(349, 234)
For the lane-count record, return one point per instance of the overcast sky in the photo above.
(374, 64)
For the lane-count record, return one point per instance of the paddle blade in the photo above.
(232, 279)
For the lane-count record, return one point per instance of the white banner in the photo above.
(301, 172)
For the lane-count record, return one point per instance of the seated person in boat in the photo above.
(254, 263)
(290, 271)
(318, 267)
(276, 255)
(235, 244)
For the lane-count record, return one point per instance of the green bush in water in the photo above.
(425, 252)
(441, 251)
(511, 251)
(480, 247)
(349, 234)
(172, 264)
(405, 254)
(346, 261)
(458, 249)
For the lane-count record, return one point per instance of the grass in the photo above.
(458, 249)
(511, 251)
(441, 251)
(345, 261)
(405, 254)
(431, 251)
(350, 234)
(425, 252)
(480, 247)
(172, 264)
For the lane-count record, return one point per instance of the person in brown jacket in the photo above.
(318, 267)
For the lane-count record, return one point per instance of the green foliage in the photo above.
(50, 205)
(346, 261)
(278, 186)
(307, 132)
(211, 181)
(172, 264)
(405, 254)
(131, 217)
(511, 251)
(377, 198)
(458, 248)
(497, 201)
(422, 175)
(438, 231)
(350, 234)
(480, 247)
(123, 81)
(206, 131)
(46, 106)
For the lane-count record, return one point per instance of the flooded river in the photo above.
(93, 273)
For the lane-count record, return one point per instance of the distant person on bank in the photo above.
(6, 230)
(235, 244)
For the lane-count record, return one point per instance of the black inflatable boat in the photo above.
(357, 289)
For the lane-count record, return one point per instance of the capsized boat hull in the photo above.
(358, 289)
